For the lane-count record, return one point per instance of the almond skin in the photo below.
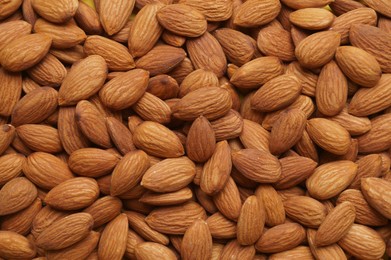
(147, 137)
(114, 14)
(12, 30)
(256, 165)
(336, 224)
(281, 238)
(364, 242)
(46, 170)
(250, 222)
(305, 210)
(65, 232)
(149, 107)
(15, 246)
(311, 55)
(81, 191)
(18, 54)
(125, 90)
(197, 242)
(287, 131)
(330, 179)
(17, 194)
(40, 138)
(335, 139)
(254, 136)
(10, 167)
(112, 244)
(376, 139)
(182, 20)
(120, 135)
(255, 13)
(228, 200)
(272, 205)
(312, 18)
(214, 11)
(360, 66)
(376, 192)
(35, 106)
(54, 11)
(212, 103)
(276, 93)
(92, 162)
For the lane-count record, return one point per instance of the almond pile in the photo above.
(195, 129)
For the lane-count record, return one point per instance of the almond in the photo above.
(306, 3)
(380, 6)
(220, 227)
(197, 242)
(17, 55)
(65, 232)
(300, 252)
(79, 250)
(250, 222)
(131, 243)
(365, 214)
(206, 53)
(104, 210)
(376, 139)
(212, 103)
(150, 251)
(110, 51)
(287, 131)
(200, 141)
(169, 175)
(152, 108)
(254, 13)
(276, 93)
(45, 217)
(376, 192)
(141, 40)
(54, 11)
(10, 167)
(281, 238)
(331, 90)
(147, 136)
(353, 124)
(233, 250)
(63, 36)
(125, 90)
(257, 165)
(88, 19)
(167, 199)
(254, 136)
(13, 245)
(374, 41)
(312, 18)
(317, 49)
(81, 192)
(294, 170)
(92, 162)
(308, 79)
(17, 194)
(10, 91)
(325, 252)
(120, 135)
(213, 10)
(368, 166)
(364, 242)
(330, 179)
(228, 200)
(172, 18)
(138, 224)
(176, 219)
(46, 170)
(48, 72)
(305, 210)
(198, 79)
(35, 106)
(229, 126)
(163, 87)
(272, 205)
(257, 72)
(335, 139)
(359, 106)
(112, 244)
(70, 55)
(40, 137)
(13, 30)
(336, 224)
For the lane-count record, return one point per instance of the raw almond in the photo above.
(257, 165)
(213, 10)
(336, 224)
(198, 79)
(308, 79)
(48, 72)
(306, 3)
(229, 126)
(88, 19)
(221, 227)
(46, 170)
(281, 238)
(250, 221)
(376, 139)
(287, 131)
(228, 200)
(55, 11)
(12, 30)
(233, 250)
(41, 138)
(10, 91)
(13, 245)
(149, 107)
(120, 135)
(25, 51)
(65, 232)
(353, 124)
(272, 205)
(163, 87)
(305, 210)
(212, 103)
(17, 194)
(312, 18)
(110, 51)
(335, 139)
(125, 90)
(381, 6)
(330, 179)
(254, 13)
(176, 219)
(254, 136)
(150, 251)
(368, 166)
(197, 242)
(72, 194)
(317, 49)
(376, 192)
(10, 167)
(147, 137)
(169, 175)
(167, 199)
(104, 210)
(300, 252)
(331, 90)
(325, 252)
(257, 72)
(112, 243)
